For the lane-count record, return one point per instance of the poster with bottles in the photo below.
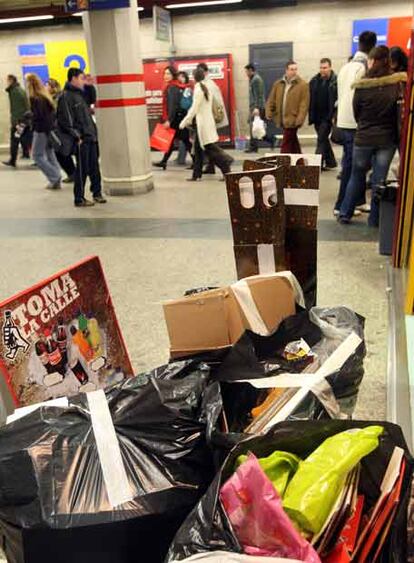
(62, 337)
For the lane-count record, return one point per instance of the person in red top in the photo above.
(173, 112)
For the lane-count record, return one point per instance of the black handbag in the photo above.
(337, 136)
(62, 142)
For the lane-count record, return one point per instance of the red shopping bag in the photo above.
(162, 138)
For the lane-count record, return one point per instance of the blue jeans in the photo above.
(363, 157)
(348, 147)
(44, 156)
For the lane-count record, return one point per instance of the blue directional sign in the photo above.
(81, 5)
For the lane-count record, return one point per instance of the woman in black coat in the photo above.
(173, 112)
(376, 141)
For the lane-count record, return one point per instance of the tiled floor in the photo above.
(155, 246)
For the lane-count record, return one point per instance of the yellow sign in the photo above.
(61, 55)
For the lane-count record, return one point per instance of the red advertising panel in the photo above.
(61, 337)
(399, 33)
(221, 70)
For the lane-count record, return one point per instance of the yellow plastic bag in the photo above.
(312, 492)
(279, 467)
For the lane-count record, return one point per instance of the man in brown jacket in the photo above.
(288, 105)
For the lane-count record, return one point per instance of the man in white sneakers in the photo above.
(350, 73)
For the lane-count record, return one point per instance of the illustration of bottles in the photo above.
(82, 343)
(41, 352)
(55, 367)
(80, 373)
(62, 341)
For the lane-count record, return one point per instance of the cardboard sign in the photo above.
(62, 337)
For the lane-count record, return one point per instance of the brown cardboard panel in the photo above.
(262, 223)
(198, 323)
(274, 300)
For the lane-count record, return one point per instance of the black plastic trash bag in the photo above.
(207, 528)
(255, 356)
(54, 501)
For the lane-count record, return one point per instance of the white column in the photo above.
(115, 57)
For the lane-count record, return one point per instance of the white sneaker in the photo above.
(357, 213)
(365, 208)
(336, 212)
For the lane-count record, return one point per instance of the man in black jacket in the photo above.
(74, 117)
(323, 97)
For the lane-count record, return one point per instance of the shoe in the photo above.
(99, 199)
(9, 163)
(56, 186)
(69, 180)
(336, 212)
(85, 203)
(193, 179)
(161, 164)
(26, 156)
(365, 208)
(339, 176)
(344, 220)
(247, 151)
(190, 167)
(357, 213)
(332, 167)
(209, 171)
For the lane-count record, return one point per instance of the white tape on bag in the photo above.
(245, 299)
(113, 469)
(266, 258)
(299, 196)
(314, 382)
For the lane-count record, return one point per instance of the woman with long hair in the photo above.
(376, 140)
(43, 119)
(206, 130)
(172, 112)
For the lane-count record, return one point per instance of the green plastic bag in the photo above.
(279, 467)
(312, 492)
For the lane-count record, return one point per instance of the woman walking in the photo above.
(43, 119)
(66, 162)
(206, 130)
(376, 112)
(172, 112)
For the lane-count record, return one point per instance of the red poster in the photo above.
(399, 33)
(221, 70)
(61, 337)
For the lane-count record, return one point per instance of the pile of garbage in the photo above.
(241, 448)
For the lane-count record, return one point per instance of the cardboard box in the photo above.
(214, 319)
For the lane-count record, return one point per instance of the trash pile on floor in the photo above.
(240, 449)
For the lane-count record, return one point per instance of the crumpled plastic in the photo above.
(311, 494)
(258, 128)
(255, 511)
(51, 478)
(279, 468)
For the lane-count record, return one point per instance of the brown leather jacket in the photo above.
(296, 106)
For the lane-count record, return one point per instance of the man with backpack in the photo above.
(354, 70)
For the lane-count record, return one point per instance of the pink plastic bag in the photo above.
(255, 511)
